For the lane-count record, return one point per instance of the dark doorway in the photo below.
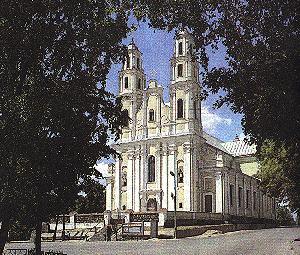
(152, 205)
(208, 203)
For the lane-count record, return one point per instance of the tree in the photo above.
(284, 216)
(56, 113)
(92, 197)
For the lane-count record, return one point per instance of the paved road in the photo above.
(277, 241)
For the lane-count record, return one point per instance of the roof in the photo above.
(215, 142)
(239, 148)
(235, 148)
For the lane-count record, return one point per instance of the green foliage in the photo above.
(284, 216)
(56, 114)
(92, 197)
(278, 172)
(20, 231)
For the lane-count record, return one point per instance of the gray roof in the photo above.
(240, 148)
(235, 148)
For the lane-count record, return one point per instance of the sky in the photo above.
(156, 47)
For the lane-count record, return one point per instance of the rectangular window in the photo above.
(138, 63)
(180, 205)
(247, 198)
(240, 196)
(180, 70)
(180, 51)
(126, 82)
(231, 190)
(254, 200)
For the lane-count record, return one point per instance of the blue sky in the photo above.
(157, 46)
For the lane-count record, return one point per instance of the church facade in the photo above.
(165, 152)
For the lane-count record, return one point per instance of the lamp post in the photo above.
(175, 203)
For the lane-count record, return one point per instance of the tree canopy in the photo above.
(56, 113)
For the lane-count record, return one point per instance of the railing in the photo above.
(30, 252)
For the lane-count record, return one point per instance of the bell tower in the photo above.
(185, 87)
(132, 82)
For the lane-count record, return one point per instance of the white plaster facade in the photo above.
(161, 138)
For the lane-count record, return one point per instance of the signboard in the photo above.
(142, 217)
(133, 229)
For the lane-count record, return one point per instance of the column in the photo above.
(137, 181)
(130, 171)
(171, 167)
(118, 184)
(187, 176)
(108, 197)
(219, 192)
(165, 176)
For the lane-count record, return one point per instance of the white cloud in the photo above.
(211, 120)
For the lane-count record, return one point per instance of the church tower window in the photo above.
(179, 108)
(139, 86)
(180, 48)
(151, 115)
(180, 70)
(195, 110)
(126, 83)
(151, 169)
(138, 63)
(128, 63)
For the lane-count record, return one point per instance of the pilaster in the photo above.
(137, 187)
(118, 184)
(187, 177)
(219, 192)
(130, 183)
(165, 177)
(172, 167)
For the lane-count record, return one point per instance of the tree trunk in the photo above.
(3, 234)
(55, 231)
(38, 238)
(64, 229)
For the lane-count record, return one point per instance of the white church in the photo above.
(164, 150)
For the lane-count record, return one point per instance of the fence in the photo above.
(30, 252)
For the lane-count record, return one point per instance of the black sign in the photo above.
(142, 217)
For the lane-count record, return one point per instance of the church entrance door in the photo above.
(152, 205)
(208, 203)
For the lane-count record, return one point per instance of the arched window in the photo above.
(126, 83)
(151, 115)
(139, 85)
(151, 169)
(179, 108)
(180, 70)
(138, 63)
(126, 113)
(180, 174)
